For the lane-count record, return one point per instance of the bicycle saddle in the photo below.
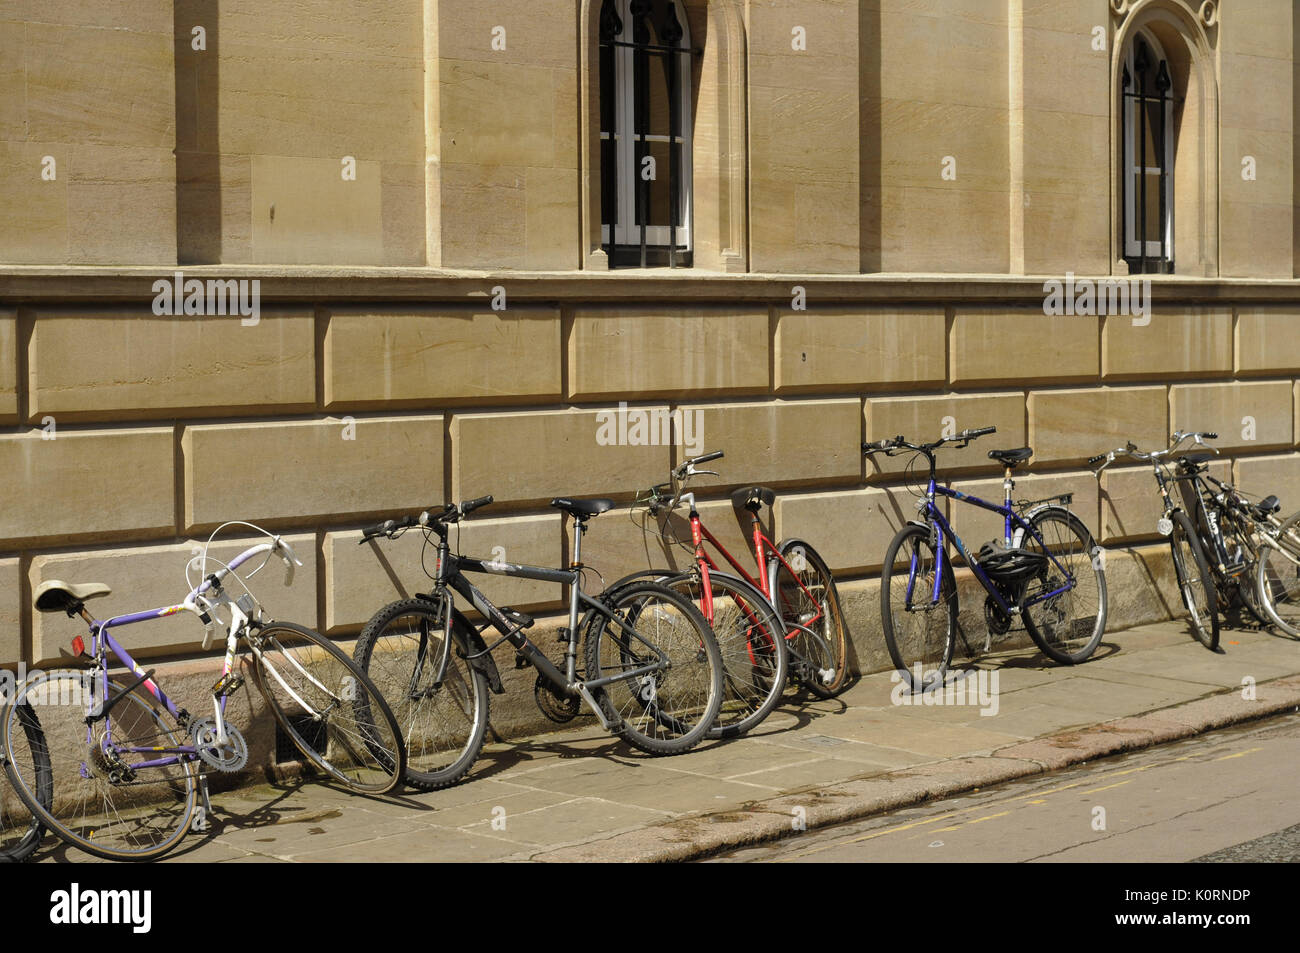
(1009, 458)
(752, 497)
(57, 595)
(1267, 505)
(1190, 460)
(582, 509)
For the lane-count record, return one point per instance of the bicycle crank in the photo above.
(560, 709)
(230, 755)
(998, 622)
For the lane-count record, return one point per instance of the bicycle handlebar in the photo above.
(1153, 456)
(451, 513)
(902, 443)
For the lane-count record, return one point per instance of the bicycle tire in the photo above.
(1277, 577)
(390, 650)
(95, 805)
(1189, 558)
(694, 681)
(792, 602)
(1061, 633)
(751, 638)
(328, 707)
(937, 642)
(21, 831)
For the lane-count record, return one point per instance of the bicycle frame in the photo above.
(1013, 525)
(103, 643)
(762, 546)
(450, 574)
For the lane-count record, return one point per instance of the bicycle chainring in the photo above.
(560, 709)
(999, 622)
(230, 756)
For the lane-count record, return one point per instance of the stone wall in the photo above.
(130, 436)
(931, 136)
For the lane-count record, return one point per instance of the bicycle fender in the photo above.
(774, 566)
(1017, 540)
(472, 644)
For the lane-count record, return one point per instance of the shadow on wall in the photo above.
(198, 143)
(870, 219)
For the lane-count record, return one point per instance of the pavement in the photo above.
(582, 795)
(1226, 796)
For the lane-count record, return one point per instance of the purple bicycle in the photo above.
(1046, 571)
(126, 768)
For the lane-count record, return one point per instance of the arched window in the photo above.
(645, 133)
(1147, 178)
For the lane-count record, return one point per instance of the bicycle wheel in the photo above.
(103, 800)
(919, 615)
(816, 633)
(328, 707)
(1277, 577)
(1067, 626)
(21, 829)
(1195, 584)
(666, 710)
(444, 724)
(751, 640)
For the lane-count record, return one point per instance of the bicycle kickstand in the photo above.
(202, 822)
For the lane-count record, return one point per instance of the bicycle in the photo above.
(1196, 584)
(1046, 569)
(652, 670)
(1230, 527)
(782, 622)
(1256, 560)
(130, 767)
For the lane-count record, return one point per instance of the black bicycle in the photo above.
(1230, 527)
(1196, 583)
(652, 671)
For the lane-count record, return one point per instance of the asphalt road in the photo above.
(1226, 796)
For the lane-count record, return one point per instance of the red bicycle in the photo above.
(783, 621)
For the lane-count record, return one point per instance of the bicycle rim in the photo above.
(1067, 626)
(809, 605)
(920, 630)
(20, 828)
(443, 723)
(668, 710)
(1199, 594)
(1277, 578)
(102, 802)
(752, 645)
(328, 707)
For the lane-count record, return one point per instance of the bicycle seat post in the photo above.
(1008, 484)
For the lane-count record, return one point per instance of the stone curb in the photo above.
(769, 820)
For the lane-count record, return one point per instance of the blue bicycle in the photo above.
(1046, 570)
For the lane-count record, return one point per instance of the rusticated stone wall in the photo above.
(128, 437)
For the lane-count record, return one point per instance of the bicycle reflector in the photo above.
(78, 646)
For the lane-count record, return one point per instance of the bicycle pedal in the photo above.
(562, 635)
(522, 661)
(228, 683)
